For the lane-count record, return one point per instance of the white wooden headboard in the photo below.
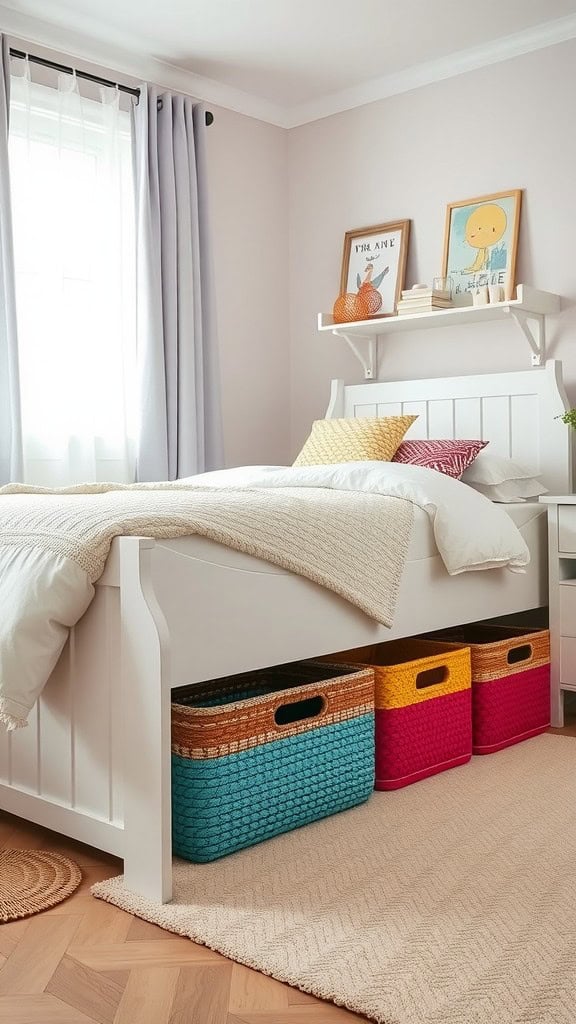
(515, 412)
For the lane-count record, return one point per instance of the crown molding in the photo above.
(540, 36)
(133, 66)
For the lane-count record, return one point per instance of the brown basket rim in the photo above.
(441, 648)
(515, 633)
(356, 675)
(493, 644)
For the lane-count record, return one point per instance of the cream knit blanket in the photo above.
(54, 546)
(350, 542)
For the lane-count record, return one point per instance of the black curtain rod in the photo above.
(85, 75)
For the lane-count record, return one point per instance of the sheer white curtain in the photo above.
(73, 211)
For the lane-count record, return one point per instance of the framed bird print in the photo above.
(374, 265)
(480, 244)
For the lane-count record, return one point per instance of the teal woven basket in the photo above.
(260, 754)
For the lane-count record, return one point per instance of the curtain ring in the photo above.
(159, 103)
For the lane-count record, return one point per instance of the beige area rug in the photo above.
(450, 902)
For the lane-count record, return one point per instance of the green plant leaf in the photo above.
(569, 418)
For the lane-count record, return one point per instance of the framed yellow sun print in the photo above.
(481, 243)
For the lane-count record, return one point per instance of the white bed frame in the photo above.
(94, 763)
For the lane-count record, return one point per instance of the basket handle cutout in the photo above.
(516, 654)
(299, 710)
(432, 677)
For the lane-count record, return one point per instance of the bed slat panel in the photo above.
(4, 756)
(362, 411)
(441, 418)
(56, 722)
(524, 421)
(115, 706)
(389, 408)
(25, 765)
(90, 669)
(468, 419)
(419, 429)
(496, 424)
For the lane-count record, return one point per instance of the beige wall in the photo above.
(506, 126)
(249, 215)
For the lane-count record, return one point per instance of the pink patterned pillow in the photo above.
(449, 457)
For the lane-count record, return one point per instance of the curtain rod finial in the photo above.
(209, 118)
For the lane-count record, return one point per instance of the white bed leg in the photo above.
(146, 726)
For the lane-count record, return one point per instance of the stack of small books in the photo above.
(422, 300)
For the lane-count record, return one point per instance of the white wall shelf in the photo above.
(529, 310)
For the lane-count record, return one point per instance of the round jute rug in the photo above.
(34, 880)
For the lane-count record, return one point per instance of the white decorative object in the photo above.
(495, 292)
(480, 296)
(94, 763)
(443, 284)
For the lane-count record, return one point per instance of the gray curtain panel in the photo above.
(11, 459)
(180, 431)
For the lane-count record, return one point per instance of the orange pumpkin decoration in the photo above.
(371, 296)
(349, 307)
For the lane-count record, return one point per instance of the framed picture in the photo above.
(374, 262)
(480, 244)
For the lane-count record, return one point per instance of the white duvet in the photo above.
(470, 531)
(42, 594)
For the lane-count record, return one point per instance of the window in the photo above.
(73, 213)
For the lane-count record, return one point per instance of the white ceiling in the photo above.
(306, 58)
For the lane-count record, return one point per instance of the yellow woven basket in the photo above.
(410, 671)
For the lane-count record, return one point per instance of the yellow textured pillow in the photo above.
(357, 440)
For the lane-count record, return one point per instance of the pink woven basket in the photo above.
(510, 709)
(510, 683)
(420, 740)
(423, 708)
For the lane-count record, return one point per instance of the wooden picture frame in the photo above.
(375, 257)
(481, 244)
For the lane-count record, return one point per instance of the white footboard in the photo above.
(65, 770)
(94, 761)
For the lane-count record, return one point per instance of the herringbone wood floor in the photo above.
(85, 962)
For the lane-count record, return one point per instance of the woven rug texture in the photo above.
(452, 901)
(34, 880)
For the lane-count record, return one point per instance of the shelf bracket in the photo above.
(533, 328)
(367, 363)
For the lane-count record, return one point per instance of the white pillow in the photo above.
(511, 490)
(489, 468)
(501, 479)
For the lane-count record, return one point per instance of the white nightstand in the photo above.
(562, 598)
